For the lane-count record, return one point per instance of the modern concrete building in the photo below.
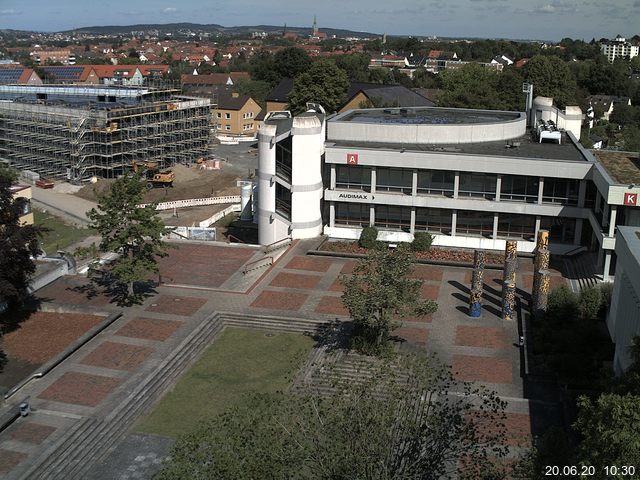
(76, 132)
(290, 175)
(619, 48)
(472, 178)
(624, 316)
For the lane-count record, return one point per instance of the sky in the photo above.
(516, 19)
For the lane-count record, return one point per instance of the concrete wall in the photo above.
(624, 316)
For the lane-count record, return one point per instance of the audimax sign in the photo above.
(355, 196)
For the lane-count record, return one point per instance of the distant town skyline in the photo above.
(517, 19)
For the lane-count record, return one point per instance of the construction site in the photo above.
(78, 132)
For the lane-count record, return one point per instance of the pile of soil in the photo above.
(190, 182)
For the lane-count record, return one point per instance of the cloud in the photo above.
(169, 10)
(10, 11)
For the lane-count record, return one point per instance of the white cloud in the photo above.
(10, 12)
(169, 10)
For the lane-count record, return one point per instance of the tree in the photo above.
(134, 232)
(291, 61)
(322, 83)
(18, 245)
(610, 430)
(372, 428)
(379, 293)
(551, 77)
(472, 86)
(355, 65)
(256, 89)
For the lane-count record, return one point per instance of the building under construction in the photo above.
(76, 132)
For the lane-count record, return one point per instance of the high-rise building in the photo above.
(619, 48)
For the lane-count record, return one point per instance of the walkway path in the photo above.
(68, 206)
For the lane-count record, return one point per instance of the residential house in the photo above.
(619, 48)
(211, 84)
(236, 115)
(17, 74)
(604, 105)
(24, 194)
(502, 60)
(64, 56)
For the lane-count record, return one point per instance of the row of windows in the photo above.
(247, 115)
(515, 188)
(440, 221)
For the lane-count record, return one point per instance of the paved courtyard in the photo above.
(101, 376)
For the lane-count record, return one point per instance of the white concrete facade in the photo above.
(624, 316)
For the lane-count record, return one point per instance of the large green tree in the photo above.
(381, 292)
(291, 61)
(18, 244)
(134, 232)
(472, 86)
(551, 77)
(322, 83)
(398, 421)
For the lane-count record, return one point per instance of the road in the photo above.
(70, 207)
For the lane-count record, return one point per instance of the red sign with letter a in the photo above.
(352, 158)
(631, 199)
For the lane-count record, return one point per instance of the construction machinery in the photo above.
(152, 175)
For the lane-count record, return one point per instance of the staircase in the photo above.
(581, 271)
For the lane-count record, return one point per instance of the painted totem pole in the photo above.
(540, 290)
(475, 297)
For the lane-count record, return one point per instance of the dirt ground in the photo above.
(190, 182)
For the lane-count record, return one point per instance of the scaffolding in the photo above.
(78, 141)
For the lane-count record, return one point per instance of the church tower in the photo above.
(315, 27)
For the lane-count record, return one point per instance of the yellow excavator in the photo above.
(152, 175)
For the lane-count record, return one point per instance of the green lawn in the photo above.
(239, 362)
(61, 234)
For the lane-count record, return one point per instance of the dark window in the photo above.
(560, 190)
(518, 188)
(393, 217)
(477, 185)
(437, 220)
(561, 229)
(283, 159)
(394, 180)
(513, 225)
(435, 182)
(283, 201)
(353, 178)
(356, 214)
(474, 223)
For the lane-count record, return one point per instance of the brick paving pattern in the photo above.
(555, 281)
(336, 286)
(80, 389)
(74, 290)
(118, 356)
(31, 432)
(430, 292)
(485, 337)
(482, 369)
(174, 305)
(348, 267)
(428, 272)
(518, 426)
(413, 335)
(332, 306)
(149, 329)
(279, 300)
(313, 264)
(295, 280)
(46, 334)
(204, 265)
(9, 459)
(489, 277)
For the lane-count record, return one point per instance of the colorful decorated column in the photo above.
(541, 263)
(509, 303)
(542, 295)
(475, 297)
(510, 264)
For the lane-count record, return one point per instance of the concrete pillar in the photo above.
(509, 303)
(412, 227)
(582, 193)
(612, 220)
(542, 297)
(510, 261)
(332, 180)
(498, 188)
(373, 179)
(372, 216)
(607, 264)
(414, 183)
(540, 190)
(578, 235)
(454, 221)
(332, 214)
(494, 235)
(537, 227)
(456, 184)
(475, 296)
(605, 216)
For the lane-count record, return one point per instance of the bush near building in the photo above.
(368, 237)
(421, 242)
